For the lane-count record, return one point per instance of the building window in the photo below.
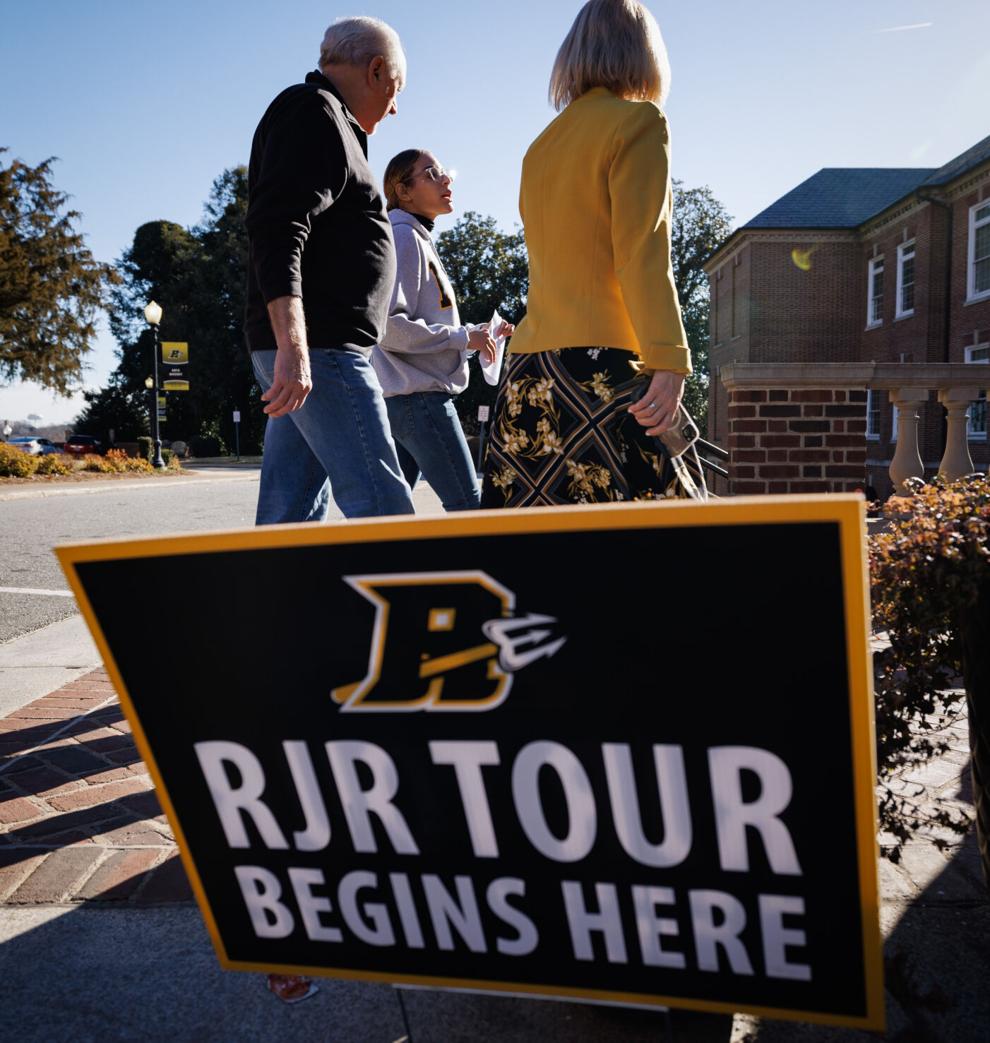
(976, 426)
(905, 280)
(978, 280)
(874, 293)
(872, 414)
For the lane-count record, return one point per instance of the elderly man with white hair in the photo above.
(320, 272)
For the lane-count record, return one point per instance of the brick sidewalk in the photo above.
(79, 820)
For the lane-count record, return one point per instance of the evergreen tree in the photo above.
(51, 288)
(198, 277)
(126, 414)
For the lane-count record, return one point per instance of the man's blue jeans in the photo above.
(430, 440)
(338, 443)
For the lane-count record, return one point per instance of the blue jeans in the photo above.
(338, 443)
(431, 442)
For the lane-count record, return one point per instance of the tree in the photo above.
(219, 301)
(51, 288)
(113, 409)
(489, 270)
(197, 275)
(700, 225)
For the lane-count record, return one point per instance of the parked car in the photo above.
(33, 446)
(80, 445)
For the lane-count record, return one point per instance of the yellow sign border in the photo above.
(848, 511)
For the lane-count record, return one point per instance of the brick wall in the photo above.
(801, 440)
(800, 311)
(799, 296)
(916, 338)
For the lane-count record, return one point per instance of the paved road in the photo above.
(30, 525)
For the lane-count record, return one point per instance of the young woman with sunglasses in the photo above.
(422, 361)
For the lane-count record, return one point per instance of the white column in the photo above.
(956, 462)
(907, 460)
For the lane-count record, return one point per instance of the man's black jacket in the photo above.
(316, 222)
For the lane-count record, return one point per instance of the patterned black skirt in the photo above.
(562, 433)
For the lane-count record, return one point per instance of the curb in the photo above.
(97, 486)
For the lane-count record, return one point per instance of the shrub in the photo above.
(15, 463)
(174, 463)
(54, 463)
(146, 447)
(95, 462)
(120, 463)
(117, 460)
(927, 571)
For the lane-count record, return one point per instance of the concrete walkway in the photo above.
(43, 661)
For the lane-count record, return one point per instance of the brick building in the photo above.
(857, 266)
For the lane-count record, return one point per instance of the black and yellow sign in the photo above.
(175, 353)
(161, 400)
(619, 753)
(175, 357)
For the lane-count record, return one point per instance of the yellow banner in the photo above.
(175, 352)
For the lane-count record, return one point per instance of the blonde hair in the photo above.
(615, 44)
(399, 171)
(356, 41)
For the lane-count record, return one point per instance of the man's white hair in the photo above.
(356, 41)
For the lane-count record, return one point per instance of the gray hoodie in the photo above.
(425, 345)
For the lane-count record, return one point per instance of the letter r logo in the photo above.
(429, 649)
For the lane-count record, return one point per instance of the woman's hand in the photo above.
(480, 341)
(505, 330)
(658, 406)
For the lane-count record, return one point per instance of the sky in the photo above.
(146, 103)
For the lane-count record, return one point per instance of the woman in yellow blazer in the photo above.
(573, 423)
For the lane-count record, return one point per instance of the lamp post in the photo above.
(153, 316)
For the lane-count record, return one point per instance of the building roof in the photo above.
(847, 197)
(972, 157)
(838, 197)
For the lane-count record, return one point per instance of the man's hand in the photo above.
(292, 380)
(291, 384)
(658, 406)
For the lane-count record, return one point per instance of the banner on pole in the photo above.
(175, 357)
(618, 753)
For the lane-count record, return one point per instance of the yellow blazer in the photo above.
(595, 202)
